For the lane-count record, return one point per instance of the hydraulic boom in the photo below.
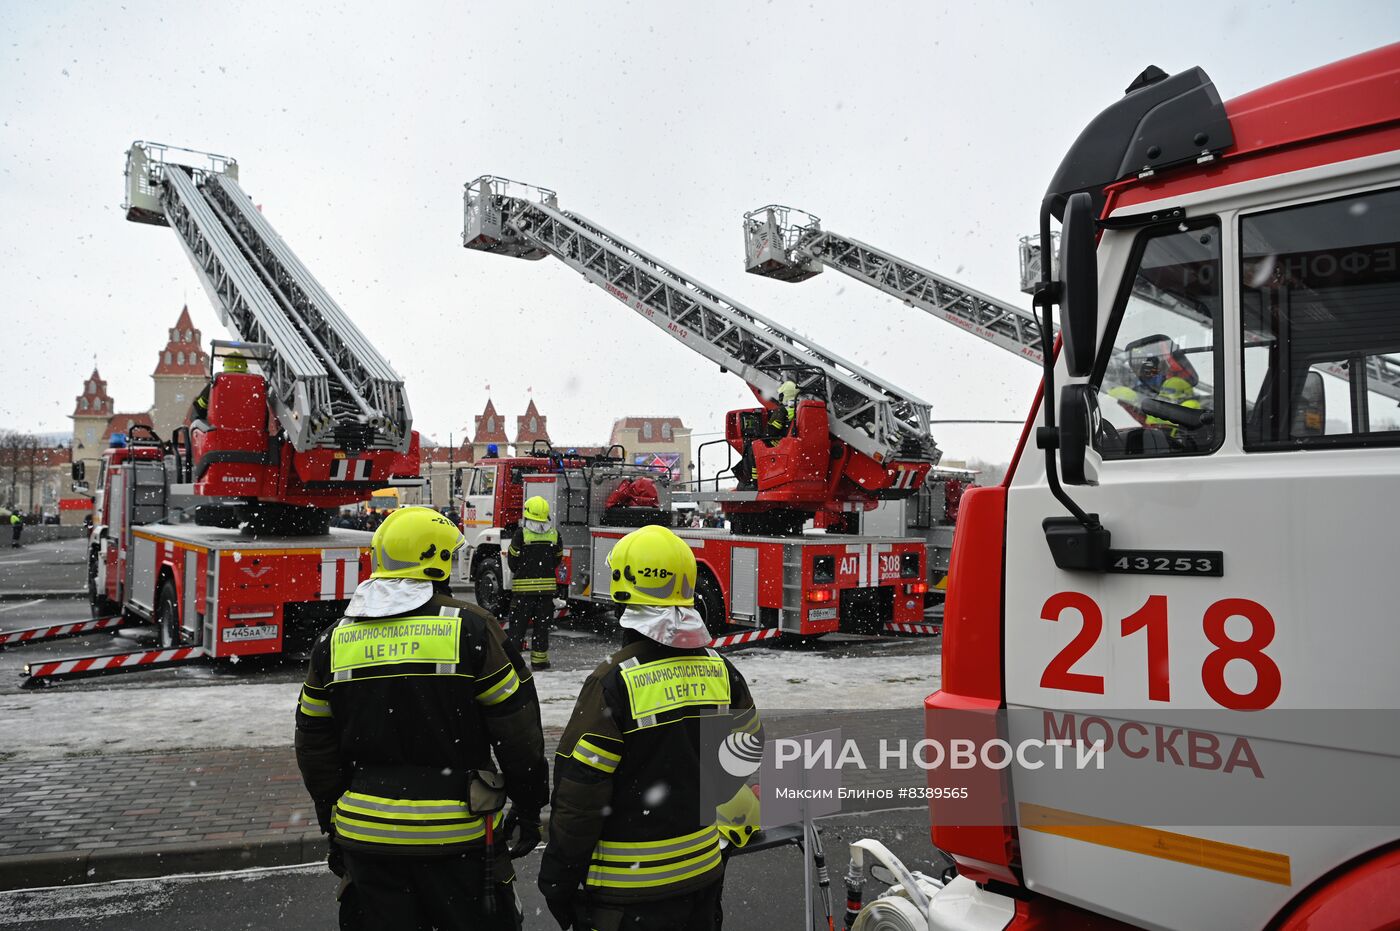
(790, 245)
(327, 385)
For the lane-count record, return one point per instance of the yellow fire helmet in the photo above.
(537, 509)
(414, 543)
(738, 819)
(652, 566)
(234, 362)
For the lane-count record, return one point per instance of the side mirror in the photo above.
(1079, 283)
(1079, 424)
(80, 470)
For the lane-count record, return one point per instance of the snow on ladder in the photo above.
(74, 667)
(11, 638)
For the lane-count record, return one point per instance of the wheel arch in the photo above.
(1362, 893)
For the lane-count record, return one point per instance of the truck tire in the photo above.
(709, 601)
(486, 579)
(168, 615)
(100, 604)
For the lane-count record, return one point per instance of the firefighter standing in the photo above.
(629, 842)
(405, 700)
(534, 557)
(776, 424)
(199, 407)
(16, 528)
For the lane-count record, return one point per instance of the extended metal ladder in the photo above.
(864, 410)
(790, 245)
(328, 386)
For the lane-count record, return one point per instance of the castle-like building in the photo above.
(181, 372)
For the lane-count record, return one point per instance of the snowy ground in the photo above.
(57, 723)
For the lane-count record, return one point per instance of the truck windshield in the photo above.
(1156, 387)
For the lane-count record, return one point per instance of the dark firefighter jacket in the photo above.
(775, 424)
(533, 558)
(637, 777)
(398, 712)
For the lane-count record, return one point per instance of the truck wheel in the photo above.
(98, 602)
(168, 615)
(490, 593)
(709, 601)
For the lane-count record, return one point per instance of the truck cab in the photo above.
(1176, 576)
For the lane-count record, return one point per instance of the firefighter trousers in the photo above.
(531, 608)
(695, 911)
(423, 893)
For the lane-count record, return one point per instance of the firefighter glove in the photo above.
(565, 908)
(335, 858)
(522, 832)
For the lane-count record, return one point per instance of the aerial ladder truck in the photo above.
(787, 244)
(220, 535)
(1203, 605)
(855, 440)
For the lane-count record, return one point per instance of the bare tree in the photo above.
(10, 443)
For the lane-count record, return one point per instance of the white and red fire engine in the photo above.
(220, 536)
(1182, 570)
(854, 440)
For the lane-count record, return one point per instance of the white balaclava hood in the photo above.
(672, 625)
(387, 597)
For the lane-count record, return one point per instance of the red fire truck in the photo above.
(1178, 571)
(220, 535)
(803, 585)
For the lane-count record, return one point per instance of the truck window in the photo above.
(1157, 384)
(1320, 311)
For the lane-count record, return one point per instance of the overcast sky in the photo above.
(926, 129)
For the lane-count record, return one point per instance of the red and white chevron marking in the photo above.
(31, 634)
(748, 636)
(111, 662)
(928, 630)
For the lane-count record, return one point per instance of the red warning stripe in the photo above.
(31, 634)
(111, 661)
(749, 636)
(931, 630)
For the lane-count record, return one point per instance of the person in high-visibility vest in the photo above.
(534, 557)
(199, 407)
(16, 528)
(406, 700)
(777, 423)
(631, 843)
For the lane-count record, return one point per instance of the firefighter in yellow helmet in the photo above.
(534, 557)
(406, 700)
(633, 840)
(777, 422)
(199, 407)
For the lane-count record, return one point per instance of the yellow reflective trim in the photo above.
(675, 683)
(594, 748)
(1263, 865)
(431, 639)
(666, 848)
(502, 690)
(534, 585)
(591, 754)
(622, 877)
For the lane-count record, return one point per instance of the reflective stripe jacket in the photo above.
(637, 774)
(533, 559)
(398, 712)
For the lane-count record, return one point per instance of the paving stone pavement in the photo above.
(144, 800)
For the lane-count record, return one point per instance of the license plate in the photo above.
(821, 614)
(260, 632)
